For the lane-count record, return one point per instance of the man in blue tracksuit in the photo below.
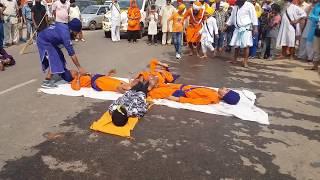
(51, 56)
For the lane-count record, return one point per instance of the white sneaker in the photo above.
(83, 40)
(178, 56)
(76, 40)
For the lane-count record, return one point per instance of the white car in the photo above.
(124, 5)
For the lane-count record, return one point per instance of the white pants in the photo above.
(205, 45)
(305, 49)
(166, 38)
(11, 33)
(115, 33)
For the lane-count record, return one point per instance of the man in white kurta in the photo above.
(166, 12)
(291, 16)
(115, 21)
(208, 32)
(244, 18)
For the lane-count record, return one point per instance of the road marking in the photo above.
(17, 86)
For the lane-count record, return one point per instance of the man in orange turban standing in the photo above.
(196, 17)
(134, 17)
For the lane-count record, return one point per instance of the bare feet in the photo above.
(245, 65)
(1, 66)
(190, 54)
(232, 62)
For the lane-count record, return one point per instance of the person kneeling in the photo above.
(5, 60)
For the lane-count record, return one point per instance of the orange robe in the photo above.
(105, 83)
(198, 95)
(164, 76)
(195, 25)
(134, 17)
(85, 81)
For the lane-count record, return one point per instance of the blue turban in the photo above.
(75, 25)
(231, 97)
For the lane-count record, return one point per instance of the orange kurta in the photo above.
(195, 25)
(134, 17)
(199, 95)
(84, 81)
(106, 83)
(164, 76)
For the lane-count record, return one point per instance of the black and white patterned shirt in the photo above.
(134, 102)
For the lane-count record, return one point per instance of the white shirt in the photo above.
(244, 16)
(209, 29)
(11, 7)
(115, 14)
(166, 12)
(62, 11)
(74, 13)
(294, 12)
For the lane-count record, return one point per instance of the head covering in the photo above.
(212, 1)
(75, 25)
(209, 11)
(197, 5)
(231, 97)
(181, 7)
(119, 116)
(231, 2)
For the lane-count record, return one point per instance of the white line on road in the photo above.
(17, 86)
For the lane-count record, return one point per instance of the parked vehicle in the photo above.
(82, 4)
(124, 5)
(107, 3)
(92, 16)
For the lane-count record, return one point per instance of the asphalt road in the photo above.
(168, 143)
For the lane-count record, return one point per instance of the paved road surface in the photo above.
(168, 143)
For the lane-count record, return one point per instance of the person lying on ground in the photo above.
(98, 82)
(158, 69)
(132, 104)
(194, 94)
(51, 56)
(5, 59)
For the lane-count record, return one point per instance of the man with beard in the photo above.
(27, 17)
(115, 20)
(10, 17)
(291, 17)
(51, 56)
(166, 12)
(245, 20)
(39, 16)
(196, 18)
(60, 10)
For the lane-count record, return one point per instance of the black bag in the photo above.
(293, 25)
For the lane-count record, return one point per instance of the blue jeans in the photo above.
(220, 41)
(253, 49)
(30, 28)
(177, 38)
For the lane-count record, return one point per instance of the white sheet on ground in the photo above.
(245, 109)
